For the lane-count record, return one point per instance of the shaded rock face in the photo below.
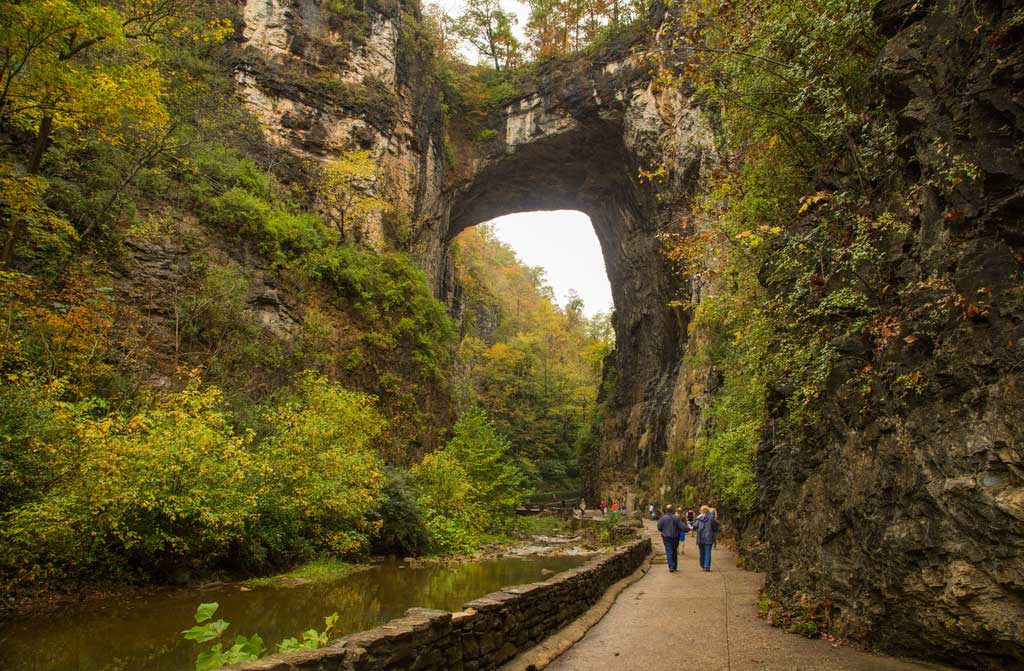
(907, 519)
(321, 85)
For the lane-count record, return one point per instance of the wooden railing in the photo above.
(557, 506)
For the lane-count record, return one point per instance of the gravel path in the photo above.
(696, 620)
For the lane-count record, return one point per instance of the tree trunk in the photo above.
(16, 229)
(42, 142)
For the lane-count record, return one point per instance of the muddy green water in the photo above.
(143, 632)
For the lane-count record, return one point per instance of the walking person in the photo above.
(650, 511)
(670, 526)
(682, 534)
(706, 525)
(602, 508)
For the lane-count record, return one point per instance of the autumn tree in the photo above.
(88, 68)
(488, 28)
(345, 193)
(532, 365)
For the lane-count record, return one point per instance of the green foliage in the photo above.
(792, 267)
(534, 367)
(388, 289)
(133, 495)
(143, 495)
(805, 628)
(485, 135)
(470, 486)
(245, 649)
(402, 523)
(323, 569)
(320, 469)
(487, 27)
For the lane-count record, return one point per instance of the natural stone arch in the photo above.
(577, 141)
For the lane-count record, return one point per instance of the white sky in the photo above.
(563, 243)
(520, 9)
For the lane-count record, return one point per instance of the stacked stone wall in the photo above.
(488, 632)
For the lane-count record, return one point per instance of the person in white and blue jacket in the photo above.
(706, 526)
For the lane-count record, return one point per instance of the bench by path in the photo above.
(709, 622)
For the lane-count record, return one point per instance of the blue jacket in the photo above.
(670, 526)
(706, 526)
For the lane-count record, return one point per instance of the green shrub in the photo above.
(217, 169)
(806, 628)
(470, 486)
(485, 136)
(402, 525)
(319, 465)
(134, 495)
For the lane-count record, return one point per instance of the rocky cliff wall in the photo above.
(575, 136)
(904, 518)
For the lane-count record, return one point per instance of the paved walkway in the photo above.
(708, 621)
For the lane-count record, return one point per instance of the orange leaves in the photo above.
(56, 333)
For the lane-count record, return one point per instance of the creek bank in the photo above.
(145, 631)
(487, 632)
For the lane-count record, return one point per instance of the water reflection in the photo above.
(143, 632)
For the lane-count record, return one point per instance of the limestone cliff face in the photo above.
(908, 519)
(575, 137)
(322, 83)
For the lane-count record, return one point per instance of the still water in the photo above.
(143, 632)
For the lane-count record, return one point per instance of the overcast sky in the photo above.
(564, 244)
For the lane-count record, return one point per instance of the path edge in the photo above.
(551, 648)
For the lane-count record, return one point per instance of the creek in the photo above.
(143, 631)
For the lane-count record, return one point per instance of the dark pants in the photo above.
(671, 551)
(705, 555)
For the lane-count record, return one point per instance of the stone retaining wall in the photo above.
(488, 632)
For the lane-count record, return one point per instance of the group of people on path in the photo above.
(615, 507)
(673, 528)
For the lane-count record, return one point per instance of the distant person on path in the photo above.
(615, 507)
(706, 525)
(603, 507)
(690, 518)
(670, 526)
(650, 511)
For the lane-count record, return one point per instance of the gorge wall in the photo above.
(573, 137)
(907, 518)
(905, 523)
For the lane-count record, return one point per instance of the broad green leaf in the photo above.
(206, 632)
(206, 610)
(288, 645)
(211, 659)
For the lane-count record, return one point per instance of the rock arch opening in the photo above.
(563, 244)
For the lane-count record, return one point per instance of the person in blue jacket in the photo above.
(670, 526)
(706, 526)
